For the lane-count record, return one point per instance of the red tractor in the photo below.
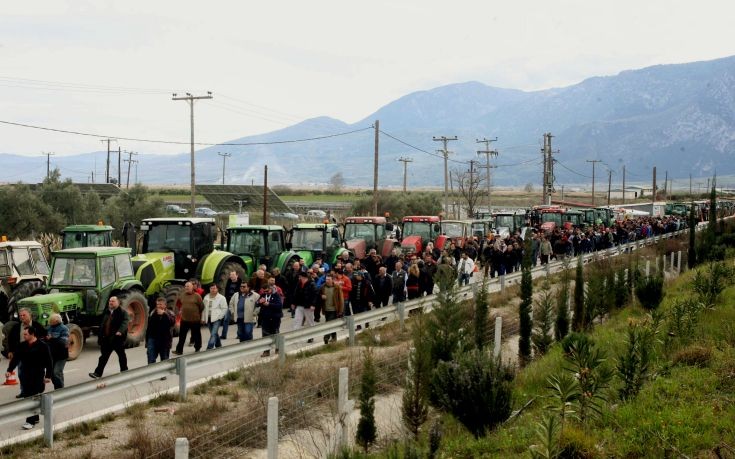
(365, 233)
(453, 231)
(418, 231)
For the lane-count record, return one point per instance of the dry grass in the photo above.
(695, 355)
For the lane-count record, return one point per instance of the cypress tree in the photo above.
(579, 312)
(481, 309)
(561, 324)
(524, 311)
(692, 251)
(366, 429)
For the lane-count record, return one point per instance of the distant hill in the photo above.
(680, 118)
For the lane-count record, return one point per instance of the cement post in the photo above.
(678, 264)
(181, 371)
(548, 269)
(401, 310)
(498, 337)
(181, 448)
(350, 323)
(502, 283)
(281, 349)
(671, 265)
(47, 410)
(343, 407)
(648, 268)
(663, 263)
(272, 429)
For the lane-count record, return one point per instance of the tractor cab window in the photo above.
(504, 221)
(167, 238)
(308, 239)
(333, 238)
(202, 238)
(124, 268)
(107, 271)
(364, 231)
(97, 240)
(422, 229)
(79, 272)
(379, 232)
(4, 266)
(275, 245)
(39, 260)
(73, 240)
(22, 261)
(452, 229)
(247, 242)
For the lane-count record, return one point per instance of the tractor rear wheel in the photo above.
(224, 274)
(172, 293)
(76, 341)
(24, 290)
(135, 304)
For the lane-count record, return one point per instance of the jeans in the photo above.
(58, 377)
(157, 348)
(226, 324)
(214, 340)
(244, 330)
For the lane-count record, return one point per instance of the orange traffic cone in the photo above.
(11, 380)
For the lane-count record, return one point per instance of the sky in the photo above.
(110, 67)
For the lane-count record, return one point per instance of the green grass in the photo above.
(321, 197)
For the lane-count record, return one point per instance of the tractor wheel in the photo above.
(24, 290)
(76, 341)
(172, 293)
(224, 274)
(135, 304)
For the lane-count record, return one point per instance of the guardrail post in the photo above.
(281, 348)
(663, 263)
(181, 448)
(498, 337)
(272, 429)
(678, 264)
(350, 323)
(648, 268)
(502, 283)
(548, 269)
(344, 406)
(47, 410)
(181, 371)
(401, 310)
(671, 265)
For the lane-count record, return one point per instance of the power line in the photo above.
(171, 142)
(570, 170)
(420, 149)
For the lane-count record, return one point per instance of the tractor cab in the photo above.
(573, 219)
(76, 236)
(310, 240)
(453, 231)
(259, 245)
(418, 231)
(23, 271)
(365, 233)
(507, 223)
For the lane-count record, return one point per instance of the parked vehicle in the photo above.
(453, 231)
(418, 231)
(506, 223)
(316, 214)
(76, 236)
(23, 272)
(204, 212)
(365, 233)
(259, 245)
(176, 209)
(81, 282)
(309, 240)
(284, 215)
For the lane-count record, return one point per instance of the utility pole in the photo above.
(405, 162)
(265, 194)
(548, 178)
(130, 162)
(107, 168)
(593, 161)
(609, 185)
(48, 156)
(224, 159)
(666, 184)
(488, 153)
(119, 166)
(690, 186)
(653, 199)
(623, 183)
(445, 153)
(375, 169)
(190, 99)
(136, 171)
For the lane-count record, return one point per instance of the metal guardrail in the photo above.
(17, 410)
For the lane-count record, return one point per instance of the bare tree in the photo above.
(337, 181)
(469, 185)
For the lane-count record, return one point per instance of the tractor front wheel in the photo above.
(76, 341)
(135, 304)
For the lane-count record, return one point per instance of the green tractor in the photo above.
(80, 285)
(76, 236)
(309, 240)
(178, 249)
(23, 272)
(259, 245)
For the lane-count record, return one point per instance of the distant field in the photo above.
(321, 197)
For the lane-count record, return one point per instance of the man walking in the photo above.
(271, 312)
(215, 310)
(159, 336)
(465, 268)
(112, 334)
(58, 342)
(35, 356)
(191, 318)
(231, 288)
(242, 307)
(303, 302)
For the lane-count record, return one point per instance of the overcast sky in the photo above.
(109, 67)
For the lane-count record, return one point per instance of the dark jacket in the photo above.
(304, 295)
(273, 308)
(118, 323)
(231, 288)
(160, 328)
(361, 294)
(13, 334)
(37, 365)
(383, 287)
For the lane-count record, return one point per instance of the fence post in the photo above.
(344, 406)
(401, 310)
(678, 264)
(648, 268)
(272, 429)
(181, 448)
(350, 323)
(671, 265)
(663, 263)
(47, 410)
(281, 348)
(181, 371)
(498, 337)
(548, 269)
(502, 283)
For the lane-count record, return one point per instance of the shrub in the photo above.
(544, 320)
(683, 317)
(561, 325)
(579, 312)
(475, 389)
(480, 318)
(366, 429)
(577, 444)
(588, 364)
(710, 282)
(650, 291)
(634, 362)
(696, 356)
(524, 310)
(414, 409)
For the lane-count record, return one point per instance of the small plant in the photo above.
(366, 429)
(595, 301)
(579, 306)
(683, 317)
(561, 324)
(481, 310)
(476, 389)
(524, 310)
(588, 364)
(710, 282)
(415, 406)
(633, 364)
(695, 356)
(544, 319)
(564, 394)
(650, 291)
(547, 433)
(435, 437)
(622, 292)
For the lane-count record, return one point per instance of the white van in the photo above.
(316, 214)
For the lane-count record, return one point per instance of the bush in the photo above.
(650, 291)
(544, 320)
(695, 356)
(588, 364)
(683, 317)
(366, 429)
(475, 389)
(634, 362)
(710, 282)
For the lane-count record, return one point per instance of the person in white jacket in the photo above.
(465, 268)
(242, 310)
(215, 308)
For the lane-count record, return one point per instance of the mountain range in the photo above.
(679, 117)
